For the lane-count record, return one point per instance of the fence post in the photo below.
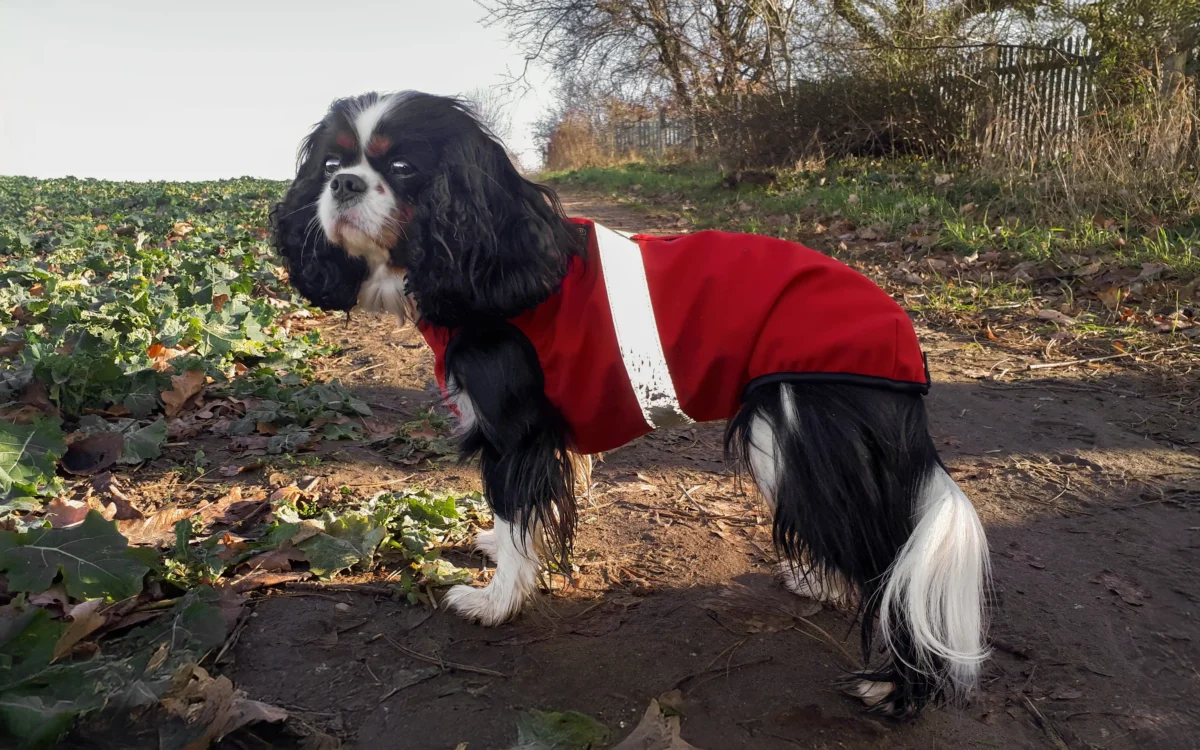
(662, 128)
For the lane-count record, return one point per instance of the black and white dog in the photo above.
(556, 336)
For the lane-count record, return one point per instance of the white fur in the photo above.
(515, 580)
(764, 459)
(366, 120)
(870, 692)
(486, 544)
(811, 584)
(356, 227)
(463, 406)
(938, 581)
(383, 292)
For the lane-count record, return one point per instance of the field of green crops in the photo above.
(133, 317)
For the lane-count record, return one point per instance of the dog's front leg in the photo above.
(495, 383)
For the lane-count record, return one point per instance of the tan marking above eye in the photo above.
(378, 145)
(344, 140)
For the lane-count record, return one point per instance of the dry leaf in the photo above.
(424, 432)
(94, 453)
(157, 528)
(1066, 694)
(1056, 316)
(213, 706)
(219, 301)
(659, 727)
(62, 512)
(183, 388)
(85, 620)
(275, 560)
(1110, 297)
(1122, 586)
(739, 609)
(942, 179)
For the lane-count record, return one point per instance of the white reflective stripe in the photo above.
(637, 332)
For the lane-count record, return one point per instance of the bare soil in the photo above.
(1088, 480)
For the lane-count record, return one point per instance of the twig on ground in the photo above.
(381, 484)
(1089, 360)
(361, 370)
(1044, 723)
(728, 650)
(828, 638)
(721, 671)
(231, 641)
(441, 662)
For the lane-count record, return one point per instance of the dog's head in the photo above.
(403, 198)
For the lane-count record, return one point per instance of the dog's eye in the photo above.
(332, 164)
(401, 168)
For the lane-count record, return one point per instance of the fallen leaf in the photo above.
(424, 431)
(1122, 586)
(739, 609)
(219, 301)
(942, 179)
(62, 512)
(94, 453)
(1056, 316)
(36, 395)
(156, 529)
(554, 730)
(86, 618)
(209, 709)
(183, 388)
(1150, 271)
(659, 727)
(853, 199)
(1066, 694)
(1110, 297)
(275, 560)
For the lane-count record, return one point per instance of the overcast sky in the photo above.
(205, 89)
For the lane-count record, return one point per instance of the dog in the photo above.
(556, 337)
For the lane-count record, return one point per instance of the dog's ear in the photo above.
(487, 243)
(322, 272)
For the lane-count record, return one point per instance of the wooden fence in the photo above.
(1022, 100)
(653, 136)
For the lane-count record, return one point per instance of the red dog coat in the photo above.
(657, 331)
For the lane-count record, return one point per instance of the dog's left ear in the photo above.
(487, 243)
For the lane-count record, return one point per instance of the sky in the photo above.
(206, 89)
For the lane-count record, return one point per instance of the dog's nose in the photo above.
(345, 186)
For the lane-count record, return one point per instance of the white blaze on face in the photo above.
(368, 227)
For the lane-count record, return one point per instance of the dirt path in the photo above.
(1089, 489)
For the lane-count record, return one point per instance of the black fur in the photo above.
(479, 240)
(854, 462)
(520, 437)
(320, 270)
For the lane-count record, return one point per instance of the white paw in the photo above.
(488, 606)
(813, 585)
(870, 692)
(485, 543)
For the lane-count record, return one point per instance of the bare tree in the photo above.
(494, 107)
(689, 50)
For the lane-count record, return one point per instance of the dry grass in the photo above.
(1138, 159)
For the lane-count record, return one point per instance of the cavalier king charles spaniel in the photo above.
(558, 337)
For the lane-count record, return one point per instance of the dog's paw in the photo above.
(822, 588)
(485, 543)
(883, 696)
(488, 606)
